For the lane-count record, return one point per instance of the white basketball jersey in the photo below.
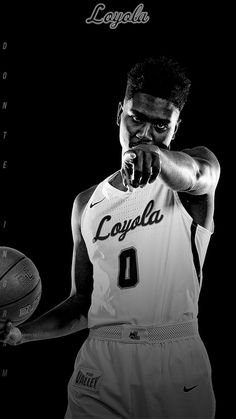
(147, 256)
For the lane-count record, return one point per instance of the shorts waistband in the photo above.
(152, 334)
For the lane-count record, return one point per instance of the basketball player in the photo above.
(140, 240)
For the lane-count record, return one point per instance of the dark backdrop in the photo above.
(65, 79)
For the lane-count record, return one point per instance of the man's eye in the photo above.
(160, 127)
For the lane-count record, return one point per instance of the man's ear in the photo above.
(119, 112)
(176, 129)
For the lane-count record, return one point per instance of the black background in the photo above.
(65, 79)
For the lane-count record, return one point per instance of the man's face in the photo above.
(146, 119)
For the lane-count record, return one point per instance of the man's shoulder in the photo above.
(79, 205)
(204, 153)
(83, 197)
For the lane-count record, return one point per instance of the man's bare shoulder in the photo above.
(203, 153)
(80, 203)
(83, 197)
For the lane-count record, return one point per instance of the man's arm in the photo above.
(195, 171)
(70, 315)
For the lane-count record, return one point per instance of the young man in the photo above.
(140, 240)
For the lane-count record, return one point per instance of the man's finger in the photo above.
(128, 156)
(137, 169)
(127, 168)
(8, 327)
(126, 178)
(156, 168)
(147, 169)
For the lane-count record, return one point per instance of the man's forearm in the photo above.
(66, 318)
(178, 170)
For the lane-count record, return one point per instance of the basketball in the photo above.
(20, 286)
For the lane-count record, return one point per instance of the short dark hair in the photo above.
(161, 77)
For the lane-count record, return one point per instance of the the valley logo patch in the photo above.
(88, 379)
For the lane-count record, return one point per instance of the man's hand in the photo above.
(140, 165)
(11, 335)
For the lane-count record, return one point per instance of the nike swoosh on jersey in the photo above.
(186, 389)
(95, 203)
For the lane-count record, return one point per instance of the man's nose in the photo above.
(145, 133)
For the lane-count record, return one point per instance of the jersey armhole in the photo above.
(86, 206)
(188, 216)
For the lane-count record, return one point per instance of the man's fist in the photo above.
(11, 335)
(140, 165)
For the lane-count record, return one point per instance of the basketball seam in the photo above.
(12, 266)
(15, 301)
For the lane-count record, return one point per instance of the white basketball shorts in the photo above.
(134, 376)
